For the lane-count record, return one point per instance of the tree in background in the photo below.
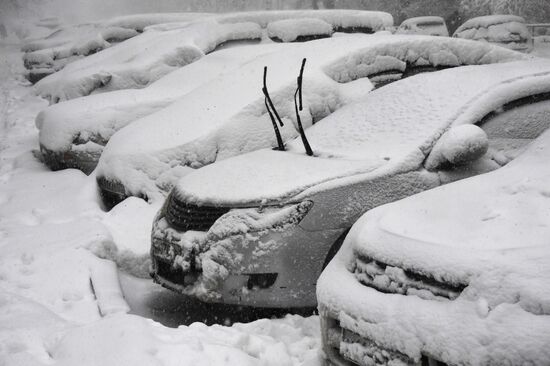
(531, 10)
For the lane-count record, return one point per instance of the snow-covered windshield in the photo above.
(408, 115)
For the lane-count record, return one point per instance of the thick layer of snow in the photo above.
(97, 117)
(506, 30)
(127, 66)
(345, 20)
(372, 136)
(490, 233)
(489, 20)
(49, 314)
(290, 30)
(67, 44)
(154, 151)
(397, 53)
(151, 152)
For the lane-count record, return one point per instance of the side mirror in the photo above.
(458, 146)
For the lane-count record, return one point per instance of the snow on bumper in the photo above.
(249, 256)
(375, 328)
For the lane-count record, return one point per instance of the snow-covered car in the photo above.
(458, 275)
(44, 56)
(72, 134)
(507, 31)
(173, 45)
(428, 25)
(147, 157)
(257, 229)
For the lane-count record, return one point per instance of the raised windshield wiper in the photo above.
(268, 104)
(298, 93)
(298, 106)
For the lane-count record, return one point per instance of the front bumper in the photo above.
(363, 326)
(275, 268)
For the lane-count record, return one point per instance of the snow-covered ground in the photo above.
(60, 304)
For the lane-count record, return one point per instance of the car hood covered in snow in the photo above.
(391, 130)
(208, 125)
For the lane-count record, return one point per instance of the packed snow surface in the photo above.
(490, 233)
(51, 227)
(154, 151)
(176, 44)
(392, 129)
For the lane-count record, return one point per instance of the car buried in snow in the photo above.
(258, 229)
(146, 158)
(428, 25)
(509, 31)
(453, 276)
(47, 55)
(188, 54)
(178, 43)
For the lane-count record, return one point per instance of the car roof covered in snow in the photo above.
(391, 130)
(425, 19)
(489, 20)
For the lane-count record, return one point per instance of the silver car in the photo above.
(258, 229)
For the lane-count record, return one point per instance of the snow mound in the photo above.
(126, 66)
(398, 54)
(177, 44)
(341, 20)
(290, 30)
(489, 20)
(506, 30)
(95, 118)
(67, 44)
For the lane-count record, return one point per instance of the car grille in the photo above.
(390, 279)
(346, 347)
(174, 275)
(184, 216)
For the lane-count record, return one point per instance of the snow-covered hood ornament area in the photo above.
(207, 257)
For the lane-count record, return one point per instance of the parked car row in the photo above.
(266, 154)
(508, 31)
